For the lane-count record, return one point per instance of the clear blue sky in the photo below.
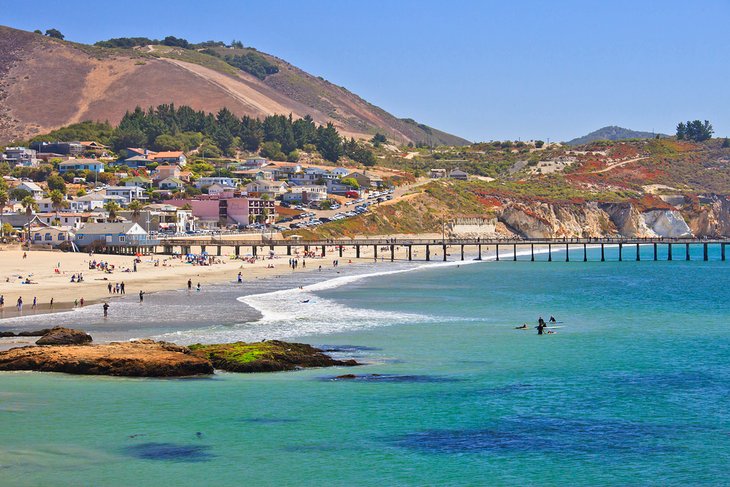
(483, 70)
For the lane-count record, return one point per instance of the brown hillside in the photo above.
(46, 83)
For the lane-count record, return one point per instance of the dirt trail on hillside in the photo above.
(614, 166)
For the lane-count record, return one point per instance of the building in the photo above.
(138, 181)
(336, 186)
(166, 171)
(54, 236)
(211, 180)
(35, 190)
(254, 163)
(437, 173)
(136, 162)
(273, 189)
(219, 189)
(306, 194)
(81, 165)
(223, 210)
(340, 172)
(128, 193)
(20, 156)
(64, 148)
(172, 183)
(66, 219)
(127, 234)
(170, 157)
(458, 174)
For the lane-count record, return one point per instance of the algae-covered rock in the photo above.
(266, 356)
(64, 336)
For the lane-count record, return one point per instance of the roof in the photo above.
(30, 184)
(137, 179)
(137, 159)
(73, 162)
(108, 227)
(172, 179)
(167, 154)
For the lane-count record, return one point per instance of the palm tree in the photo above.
(135, 207)
(30, 205)
(58, 201)
(4, 198)
(112, 207)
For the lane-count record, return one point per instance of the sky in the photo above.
(484, 70)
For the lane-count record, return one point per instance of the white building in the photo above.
(129, 193)
(211, 180)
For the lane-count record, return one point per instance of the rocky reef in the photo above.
(266, 356)
(143, 358)
(70, 351)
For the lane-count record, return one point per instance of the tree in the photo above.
(55, 33)
(18, 194)
(56, 182)
(30, 205)
(379, 139)
(136, 208)
(351, 182)
(695, 130)
(539, 144)
(113, 208)
(272, 150)
(726, 143)
(4, 198)
(58, 200)
(329, 143)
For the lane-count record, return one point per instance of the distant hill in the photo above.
(613, 132)
(47, 83)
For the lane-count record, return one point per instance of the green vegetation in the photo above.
(253, 63)
(55, 33)
(695, 130)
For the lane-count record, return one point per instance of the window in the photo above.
(61, 236)
(49, 236)
(121, 238)
(37, 236)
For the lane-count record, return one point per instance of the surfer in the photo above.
(522, 327)
(552, 319)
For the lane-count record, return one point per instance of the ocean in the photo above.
(631, 389)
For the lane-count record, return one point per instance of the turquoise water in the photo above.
(633, 389)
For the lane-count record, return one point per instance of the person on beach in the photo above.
(198, 287)
(141, 296)
(81, 302)
(76, 303)
(106, 309)
(190, 284)
(109, 287)
(2, 301)
(51, 304)
(240, 278)
(121, 287)
(20, 304)
(35, 302)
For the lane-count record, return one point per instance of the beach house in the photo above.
(112, 234)
(91, 165)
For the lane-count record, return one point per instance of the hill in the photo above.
(613, 132)
(47, 83)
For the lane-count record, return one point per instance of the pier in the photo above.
(456, 248)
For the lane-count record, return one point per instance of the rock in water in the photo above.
(132, 359)
(268, 356)
(64, 336)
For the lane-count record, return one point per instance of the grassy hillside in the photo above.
(613, 133)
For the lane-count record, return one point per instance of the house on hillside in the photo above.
(138, 181)
(210, 180)
(112, 234)
(172, 183)
(136, 162)
(254, 163)
(306, 194)
(20, 156)
(166, 171)
(128, 193)
(81, 165)
(170, 157)
(63, 148)
(35, 190)
(458, 174)
(273, 189)
(437, 173)
(340, 172)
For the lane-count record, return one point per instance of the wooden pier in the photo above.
(387, 247)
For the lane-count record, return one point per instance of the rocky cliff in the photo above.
(711, 218)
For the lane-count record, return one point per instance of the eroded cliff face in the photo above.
(556, 220)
